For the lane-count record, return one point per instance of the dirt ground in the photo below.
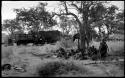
(29, 57)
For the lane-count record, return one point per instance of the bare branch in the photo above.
(66, 7)
(69, 14)
(77, 8)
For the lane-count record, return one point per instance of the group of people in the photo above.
(102, 52)
(92, 51)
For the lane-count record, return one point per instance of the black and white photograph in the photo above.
(62, 38)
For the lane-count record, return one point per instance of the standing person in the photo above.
(103, 49)
(10, 41)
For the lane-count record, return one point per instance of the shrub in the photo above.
(49, 69)
(58, 68)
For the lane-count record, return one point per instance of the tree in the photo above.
(36, 17)
(11, 25)
(109, 18)
(120, 15)
(67, 24)
(90, 12)
(120, 19)
(113, 20)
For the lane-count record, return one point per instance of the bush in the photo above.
(49, 69)
(57, 68)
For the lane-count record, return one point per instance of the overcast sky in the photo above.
(8, 6)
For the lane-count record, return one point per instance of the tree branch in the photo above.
(77, 8)
(66, 7)
(69, 14)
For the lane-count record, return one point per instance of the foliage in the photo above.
(35, 17)
(90, 14)
(120, 15)
(11, 25)
(120, 19)
(67, 23)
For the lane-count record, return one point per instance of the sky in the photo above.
(8, 6)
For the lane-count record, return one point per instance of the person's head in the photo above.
(103, 40)
(92, 46)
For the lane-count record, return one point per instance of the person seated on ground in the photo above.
(103, 49)
(93, 53)
(70, 53)
(94, 50)
(90, 51)
(62, 53)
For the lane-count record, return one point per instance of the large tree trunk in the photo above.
(78, 44)
(82, 40)
(100, 35)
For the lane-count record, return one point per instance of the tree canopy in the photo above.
(11, 25)
(35, 17)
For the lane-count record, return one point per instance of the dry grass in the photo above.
(60, 68)
(20, 55)
(115, 47)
